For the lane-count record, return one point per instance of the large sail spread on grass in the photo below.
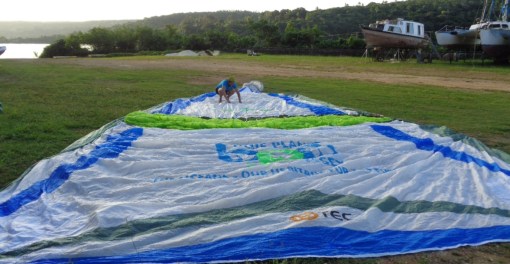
(276, 176)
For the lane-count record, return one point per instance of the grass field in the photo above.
(48, 104)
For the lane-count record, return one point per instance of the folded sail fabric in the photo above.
(197, 181)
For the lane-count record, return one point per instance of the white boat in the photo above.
(465, 38)
(458, 37)
(2, 49)
(397, 33)
(495, 39)
(495, 36)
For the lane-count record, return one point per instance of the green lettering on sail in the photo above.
(277, 155)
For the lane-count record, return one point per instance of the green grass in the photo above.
(48, 105)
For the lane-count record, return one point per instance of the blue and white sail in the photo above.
(135, 192)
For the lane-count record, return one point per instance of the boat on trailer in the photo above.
(398, 33)
(495, 35)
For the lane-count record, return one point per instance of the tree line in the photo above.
(143, 39)
(335, 28)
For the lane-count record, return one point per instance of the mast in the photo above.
(491, 11)
(504, 11)
(485, 4)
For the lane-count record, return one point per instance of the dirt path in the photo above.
(259, 70)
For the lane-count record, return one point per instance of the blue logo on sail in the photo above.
(279, 151)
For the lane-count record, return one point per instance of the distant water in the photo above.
(22, 51)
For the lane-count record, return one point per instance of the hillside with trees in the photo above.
(335, 28)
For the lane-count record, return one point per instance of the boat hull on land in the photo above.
(495, 40)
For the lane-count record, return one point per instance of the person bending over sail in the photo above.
(227, 88)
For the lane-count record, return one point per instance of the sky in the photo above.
(88, 10)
